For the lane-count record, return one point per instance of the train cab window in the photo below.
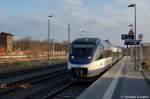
(82, 50)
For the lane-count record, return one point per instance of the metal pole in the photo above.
(141, 68)
(135, 51)
(48, 40)
(68, 35)
(131, 52)
(136, 68)
(49, 37)
(131, 47)
(53, 47)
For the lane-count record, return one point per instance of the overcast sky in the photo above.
(106, 19)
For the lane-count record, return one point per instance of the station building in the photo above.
(6, 43)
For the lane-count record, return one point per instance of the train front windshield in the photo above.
(82, 50)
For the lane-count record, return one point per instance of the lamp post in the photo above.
(135, 61)
(49, 37)
(53, 53)
(68, 36)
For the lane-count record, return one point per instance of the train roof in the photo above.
(86, 40)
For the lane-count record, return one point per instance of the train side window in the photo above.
(104, 54)
(100, 56)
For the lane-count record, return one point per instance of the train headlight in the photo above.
(89, 57)
(72, 57)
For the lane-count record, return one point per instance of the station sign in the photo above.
(124, 36)
(131, 42)
(127, 36)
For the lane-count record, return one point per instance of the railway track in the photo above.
(69, 91)
(21, 76)
(27, 82)
(31, 81)
(22, 72)
(72, 89)
(54, 83)
(39, 91)
(38, 88)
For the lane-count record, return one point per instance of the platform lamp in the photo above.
(50, 16)
(135, 61)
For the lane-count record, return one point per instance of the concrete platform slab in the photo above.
(120, 82)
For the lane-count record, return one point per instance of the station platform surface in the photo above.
(119, 82)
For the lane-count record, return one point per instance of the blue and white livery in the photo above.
(89, 57)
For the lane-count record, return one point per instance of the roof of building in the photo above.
(4, 33)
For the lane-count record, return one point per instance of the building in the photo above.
(6, 42)
(2, 51)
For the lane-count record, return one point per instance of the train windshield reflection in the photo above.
(82, 49)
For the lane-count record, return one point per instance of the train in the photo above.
(89, 57)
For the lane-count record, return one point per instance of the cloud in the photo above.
(107, 21)
(143, 21)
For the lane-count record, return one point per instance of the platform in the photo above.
(120, 82)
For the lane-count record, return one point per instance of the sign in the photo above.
(140, 36)
(124, 36)
(127, 36)
(131, 42)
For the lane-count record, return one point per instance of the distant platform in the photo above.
(120, 82)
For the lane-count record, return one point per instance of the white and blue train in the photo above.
(89, 57)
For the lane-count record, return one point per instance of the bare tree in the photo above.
(37, 47)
